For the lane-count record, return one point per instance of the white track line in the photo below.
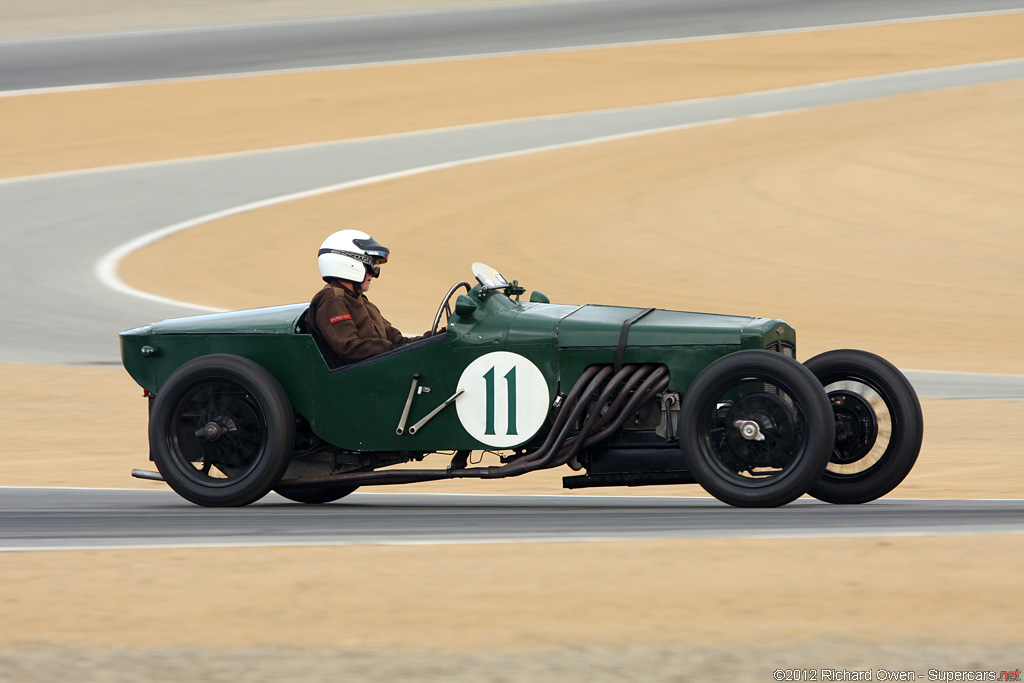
(106, 269)
(404, 134)
(484, 55)
(562, 538)
(480, 124)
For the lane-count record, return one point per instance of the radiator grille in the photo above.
(783, 348)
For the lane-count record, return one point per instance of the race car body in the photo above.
(245, 402)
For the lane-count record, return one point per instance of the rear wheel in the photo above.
(222, 431)
(315, 495)
(755, 429)
(878, 425)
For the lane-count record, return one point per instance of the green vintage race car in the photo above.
(243, 403)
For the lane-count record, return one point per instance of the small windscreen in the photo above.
(488, 277)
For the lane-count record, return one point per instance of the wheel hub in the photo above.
(760, 432)
(749, 430)
(216, 428)
(856, 426)
(219, 428)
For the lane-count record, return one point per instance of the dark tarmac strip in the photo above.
(342, 41)
(68, 519)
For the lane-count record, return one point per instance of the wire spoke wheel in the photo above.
(222, 431)
(878, 426)
(218, 432)
(756, 429)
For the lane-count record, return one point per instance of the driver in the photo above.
(340, 313)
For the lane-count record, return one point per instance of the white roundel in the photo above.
(506, 399)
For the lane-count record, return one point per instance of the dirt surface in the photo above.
(81, 129)
(743, 662)
(46, 18)
(667, 610)
(925, 180)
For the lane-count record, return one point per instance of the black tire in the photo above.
(315, 495)
(789, 410)
(879, 426)
(249, 431)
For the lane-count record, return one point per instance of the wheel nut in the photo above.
(211, 431)
(749, 430)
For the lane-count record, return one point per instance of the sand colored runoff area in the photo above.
(63, 131)
(893, 225)
(711, 609)
(907, 243)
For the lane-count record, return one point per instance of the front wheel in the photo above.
(755, 429)
(222, 431)
(878, 424)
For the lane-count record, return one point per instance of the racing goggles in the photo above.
(370, 261)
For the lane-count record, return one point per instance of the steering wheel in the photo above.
(446, 305)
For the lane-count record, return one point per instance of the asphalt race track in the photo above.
(116, 58)
(101, 211)
(37, 519)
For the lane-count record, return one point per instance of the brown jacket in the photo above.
(351, 325)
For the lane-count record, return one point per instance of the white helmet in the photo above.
(350, 255)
